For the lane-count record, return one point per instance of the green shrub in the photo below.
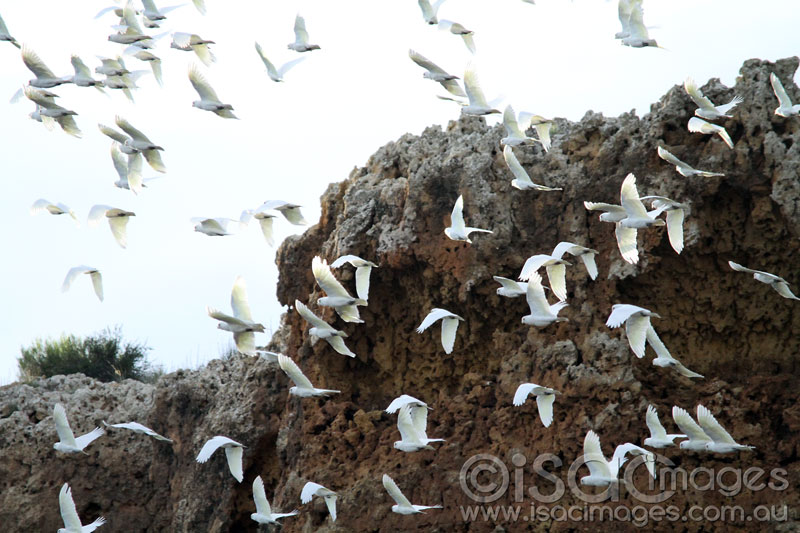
(104, 356)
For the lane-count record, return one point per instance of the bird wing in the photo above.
(426, 63)
(522, 393)
(711, 427)
(657, 431)
(114, 134)
(669, 158)
(260, 497)
(394, 491)
(201, 85)
(593, 455)
(96, 213)
(620, 313)
(245, 342)
(427, 10)
(286, 67)
(68, 124)
(120, 162)
(419, 417)
(330, 501)
(211, 446)
(129, 16)
(345, 259)
(600, 206)
(404, 399)
(265, 223)
(535, 296)
(405, 424)
(509, 284)
(629, 197)
(84, 440)
(675, 228)
(740, 268)
(557, 275)
(80, 67)
(514, 165)
(543, 131)
(696, 94)
(134, 176)
(435, 314)
(241, 309)
(636, 329)
(510, 122)
(326, 280)
(777, 87)
(449, 328)
(724, 108)
(362, 281)
(223, 317)
(293, 371)
(97, 283)
(72, 274)
(783, 289)
(658, 346)
(454, 88)
(118, 225)
(69, 514)
(309, 491)
(533, 264)
(565, 247)
(626, 242)
(234, 456)
(200, 5)
(473, 87)
(688, 426)
(457, 215)
(126, 126)
(35, 64)
(300, 33)
(273, 72)
(310, 317)
(65, 434)
(545, 404)
(636, 25)
(589, 262)
(39, 205)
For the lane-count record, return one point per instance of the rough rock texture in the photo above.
(739, 333)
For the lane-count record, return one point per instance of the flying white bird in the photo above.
(676, 212)
(636, 217)
(780, 285)
(721, 440)
(522, 180)
(556, 272)
(785, 107)
(457, 230)
(477, 101)
(403, 506)
(69, 514)
(133, 141)
(67, 442)
(155, 64)
(603, 472)
(276, 74)
(42, 205)
(241, 324)
(312, 489)
(637, 35)
(610, 212)
(576, 250)
(264, 514)
(402, 400)
(664, 359)
(705, 107)
(136, 427)
(128, 169)
(323, 330)
(541, 125)
(111, 67)
(412, 422)
(94, 274)
(45, 79)
(233, 453)
(449, 326)
(457, 29)
(637, 322)
(290, 212)
(541, 312)
(658, 435)
(301, 43)
(697, 438)
(336, 295)
(515, 135)
(437, 74)
(429, 10)
(510, 288)
(47, 107)
(213, 227)
(209, 101)
(544, 400)
(363, 270)
(130, 31)
(117, 221)
(682, 168)
(698, 125)
(153, 13)
(83, 77)
(191, 42)
(5, 36)
(303, 387)
(264, 221)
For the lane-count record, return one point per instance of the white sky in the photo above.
(555, 58)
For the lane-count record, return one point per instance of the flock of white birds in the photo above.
(131, 147)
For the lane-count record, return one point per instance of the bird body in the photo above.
(58, 208)
(303, 387)
(542, 314)
(522, 180)
(264, 514)
(458, 230)
(785, 107)
(67, 442)
(69, 514)
(658, 435)
(545, 397)
(780, 285)
(437, 74)
(683, 168)
(301, 43)
(209, 101)
(603, 472)
(636, 320)
(233, 454)
(510, 288)
(706, 108)
(311, 489)
(136, 427)
(449, 326)
(323, 330)
(698, 125)
(403, 506)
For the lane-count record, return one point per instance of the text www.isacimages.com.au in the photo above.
(638, 515)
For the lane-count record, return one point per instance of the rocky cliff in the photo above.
(739, 333)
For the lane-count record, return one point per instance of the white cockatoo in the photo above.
(276, 73)
(41, 205)
(683, 168)
(705, 107)
(636, 320)
(301, 43)
(449, 326)
(780, 285)
(602, 471)
(658, 435)
(94, 274)
(323, 330)
(402, 505)
(555, 268)
(363, 270)
(785, 107)
(233, 453)
(336, 295)
(541, 312)
(311, 489)
(264, 514)
(458, 230)
(117, 221)
(136, 427)
(303, 387)
(698, 125)
(412, 422)
(241, 324)
(209, 101)
(69, 514)
(545, 397)
(436, 73)
(67, 442)
(522, 180)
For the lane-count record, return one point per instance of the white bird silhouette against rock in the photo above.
(515, 134)
(697, 438)
(705, 107)
(264, 514)
(241, 324)
(658, 435)
(412, 422)
(233, 453)
(41, 205)
(510, 288)
(136, 427)
(209, 101)
(437, 74)
(429, 10)
(664, 359)
(541, 312)
(676, 212)
(544, 400)
(69, 514)
(683, 168)
(303, 387)
(522, 180)
(312, 489)
(67, 442)
(449, 326)
(780, 285)
(556, 272)
(477, 101)
(403, 506)
(785, 107)
(698, 125)
(363, 270)
(117, 221)
(276, 74)
(94, 274)
(458, 230)
(404, 399)
(457, 29)
(585, 254)
(336, 295)
(542, 125)
(721, 440)
(301, 43)
(636, 217)
(637, 322)
(603, 472)
(323, 330)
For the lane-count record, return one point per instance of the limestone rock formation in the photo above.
(737, 332)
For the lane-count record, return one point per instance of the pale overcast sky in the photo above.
(555, 58)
